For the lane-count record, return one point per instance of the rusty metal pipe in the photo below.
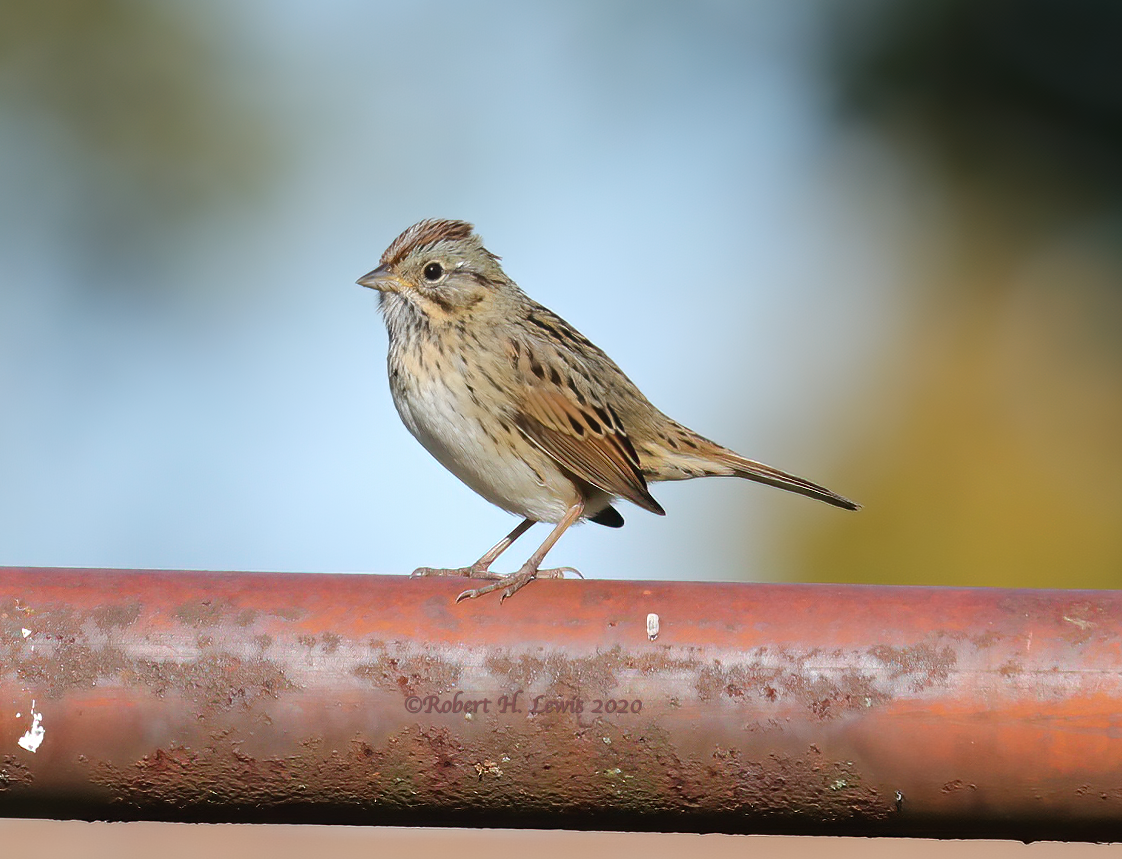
(582, 704)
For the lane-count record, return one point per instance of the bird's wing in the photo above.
(584, 439)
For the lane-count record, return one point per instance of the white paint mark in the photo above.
(1080, 622)
(652, 626)
(25, 631)
(34, 737)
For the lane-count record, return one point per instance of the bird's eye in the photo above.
(433, 272)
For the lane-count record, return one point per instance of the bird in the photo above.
(522, 407)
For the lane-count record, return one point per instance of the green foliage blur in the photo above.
(135, 119)
(993, 445)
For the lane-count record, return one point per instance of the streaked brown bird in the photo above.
(521, 406)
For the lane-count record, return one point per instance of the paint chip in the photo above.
(652, 626)
(25, 631)
(34, 736)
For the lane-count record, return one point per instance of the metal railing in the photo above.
(797, 709)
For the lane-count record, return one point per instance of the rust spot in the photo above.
(410, 674)
(957, 785)
(779, 676)
(1079, 621)
(219, 682)
(65, 665)
(291, 613)
(985, 639)
(560, 674)
(108, 616)
(921, 664)
(14, 774)
(636, 770)
(659, 661)
(487, 767)
(206, 612)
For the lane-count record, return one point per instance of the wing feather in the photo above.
(571, 434)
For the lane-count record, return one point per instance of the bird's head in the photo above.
(439, 268)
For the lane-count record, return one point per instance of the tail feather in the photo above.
(761, 473)
(679, 453)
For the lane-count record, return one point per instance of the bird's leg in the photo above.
(481, 568)
(516, 581)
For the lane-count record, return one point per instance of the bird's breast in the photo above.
(461, 416)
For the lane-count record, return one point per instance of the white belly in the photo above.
(528, 484)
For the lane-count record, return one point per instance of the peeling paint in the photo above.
(35, 734)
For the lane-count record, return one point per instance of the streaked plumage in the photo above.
(522, 407)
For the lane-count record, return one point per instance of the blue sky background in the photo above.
(208, 390)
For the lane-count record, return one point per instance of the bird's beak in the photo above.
(381, 279)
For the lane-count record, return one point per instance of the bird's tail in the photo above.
(686, 454)
(761, 473)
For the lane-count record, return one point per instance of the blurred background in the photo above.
(876, 243)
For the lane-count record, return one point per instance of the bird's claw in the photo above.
(508, 582)
(515, 582)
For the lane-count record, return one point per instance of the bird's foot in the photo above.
(516, 581)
